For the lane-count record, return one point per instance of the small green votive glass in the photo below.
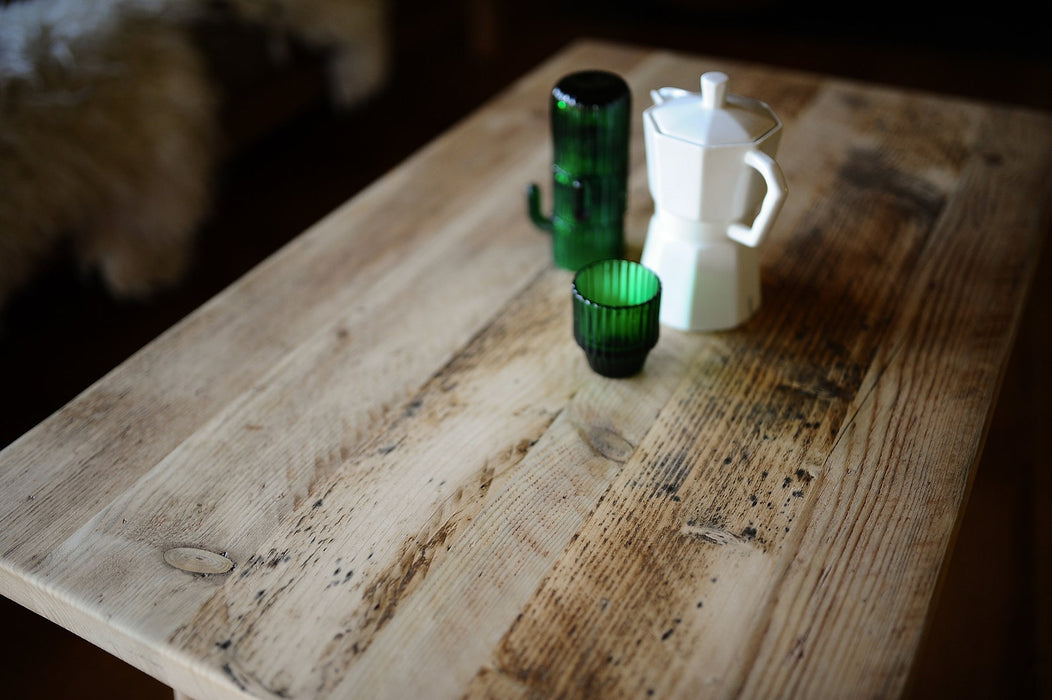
(615, 315)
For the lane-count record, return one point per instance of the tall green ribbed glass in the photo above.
(616, 304)
(590, 119)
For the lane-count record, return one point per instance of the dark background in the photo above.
(293, 158)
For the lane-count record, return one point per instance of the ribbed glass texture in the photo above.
(590, 118)
(616, 304)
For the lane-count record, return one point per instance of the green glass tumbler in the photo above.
(590, 117)
(615, 315)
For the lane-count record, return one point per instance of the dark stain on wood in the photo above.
(869, 170)
(820, 388)
(485, 478)
(233, 677)
(413, 407)
(671, 472)
(389, 588)
(248, 683)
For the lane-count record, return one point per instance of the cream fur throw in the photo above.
(108, 125)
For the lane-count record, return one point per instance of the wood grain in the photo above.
(388, 429)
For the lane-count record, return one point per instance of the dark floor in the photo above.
(990, 635)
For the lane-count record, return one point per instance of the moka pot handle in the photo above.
(777, 189)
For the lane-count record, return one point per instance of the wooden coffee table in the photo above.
(379, 466)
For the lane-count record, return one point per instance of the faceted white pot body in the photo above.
(716, 190)
(706, 285)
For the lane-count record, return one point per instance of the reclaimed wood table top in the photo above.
(391, 473)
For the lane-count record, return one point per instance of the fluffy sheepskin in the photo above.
(108, 125)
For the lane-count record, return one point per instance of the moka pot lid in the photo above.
(713, 117)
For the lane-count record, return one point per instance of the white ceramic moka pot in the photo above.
(717, 191)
